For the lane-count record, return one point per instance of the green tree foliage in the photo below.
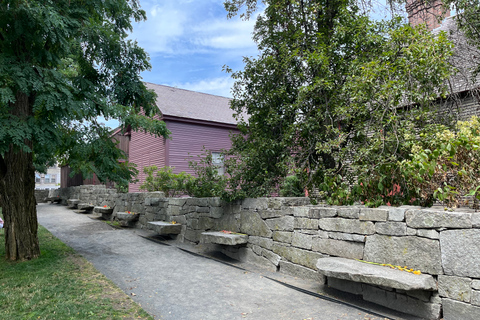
(331, 94)
(63, 63)
(163, 179)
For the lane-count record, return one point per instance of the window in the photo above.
(217, 161)
(37, 178)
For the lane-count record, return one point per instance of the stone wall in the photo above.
(290, 235)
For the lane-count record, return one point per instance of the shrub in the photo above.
(292, 187)
(163, 179)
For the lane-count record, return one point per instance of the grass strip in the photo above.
(60, 285)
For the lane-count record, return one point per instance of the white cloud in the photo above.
(216, 86)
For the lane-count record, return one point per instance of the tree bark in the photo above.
(17, 189)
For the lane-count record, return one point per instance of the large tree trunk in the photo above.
(17, 189)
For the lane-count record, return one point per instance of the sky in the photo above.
(189, 42)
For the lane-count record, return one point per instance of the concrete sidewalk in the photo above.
(170, 283)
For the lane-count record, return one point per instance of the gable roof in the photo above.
(181, 103)
(465, 58)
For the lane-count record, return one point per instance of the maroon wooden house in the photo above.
(197, 121)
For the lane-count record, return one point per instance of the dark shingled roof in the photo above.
(192, 105)
(465, 58)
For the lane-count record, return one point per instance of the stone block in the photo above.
(178, 201)
(192, 235)
(299, 256)
(173, 210)
(396, 214)
(476, 284)
(348, 212)
(202, 209)
(252, 224)
(475, 298)
(268, 214)
(224, 238)
(347, 225)
(428, 233)
(247, 255)
(456, 288)
(303, 211)
(456, 310)
(461, 252)
(254, 203)
(421, 295)
(414, 252)
(346, 236)
(325, 212)
(402, 303)
(281, 224)
(306, 223)
(372, 214)
(229, 222)
(271, 256)
(301, 240)
(192, 223)
(391, 228)
(178, 219)
(215, 212)
(411, 232)
(476, 220)
(275, 203)
(215, 202)
(266, 243)
(282, 236)
(345, 285)
(338, 248)
(154, 202)
(296, 201)
(301, 272)
(205, 223)
(438, 219)
(164, 228)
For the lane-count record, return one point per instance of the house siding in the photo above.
(189, 139)
(145, 150)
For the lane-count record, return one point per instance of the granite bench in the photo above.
(127, 219)
(219, 237)
(106, 212)
(73, 203)
(165, 228)
(357, 271)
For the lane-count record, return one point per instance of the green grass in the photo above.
(60, 285)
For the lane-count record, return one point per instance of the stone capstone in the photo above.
(348, 212)
(461, 252)
(162, 227)
(414, 252)
(370, 214)
(438, 219)
(358, 271)
(224, 238)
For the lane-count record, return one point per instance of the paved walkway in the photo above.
(170, 283)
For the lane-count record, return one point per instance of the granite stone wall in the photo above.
(289, 235)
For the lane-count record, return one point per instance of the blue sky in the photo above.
(189, 42)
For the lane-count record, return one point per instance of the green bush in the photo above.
(163, 179)
(292, 187)
(208, 183)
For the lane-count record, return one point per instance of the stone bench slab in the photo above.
(228, 239)
(163, 228)
(73, 203)
(358, 271)
(125, 216)
(85, 206)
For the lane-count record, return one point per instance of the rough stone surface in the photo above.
(251, 223)
(268, 214)
(255, 203)
(266, 243)
(347, 225)
(301, 211)
(224, 238)
(456, 310)
(402, 303)
(306, 223)
(127, 216)
(411, 232)
(348, 212)
(345, 285)
(438, 219)
(357, 271)
(103, 210)
(299, 256)
(461, 252)
(391, 228)
(272, 257)
(428, 233)
(346, 236)
(456, 288)
(301, 272)
(85, 206)
(162, 227)
(373, 214)
(325, 212)
(281, 224)
(301, 240)
(476, 284)
(475, 298)
(282, 236)
(339, 248)
(417, 253)
(476, 220)
(396, 214)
